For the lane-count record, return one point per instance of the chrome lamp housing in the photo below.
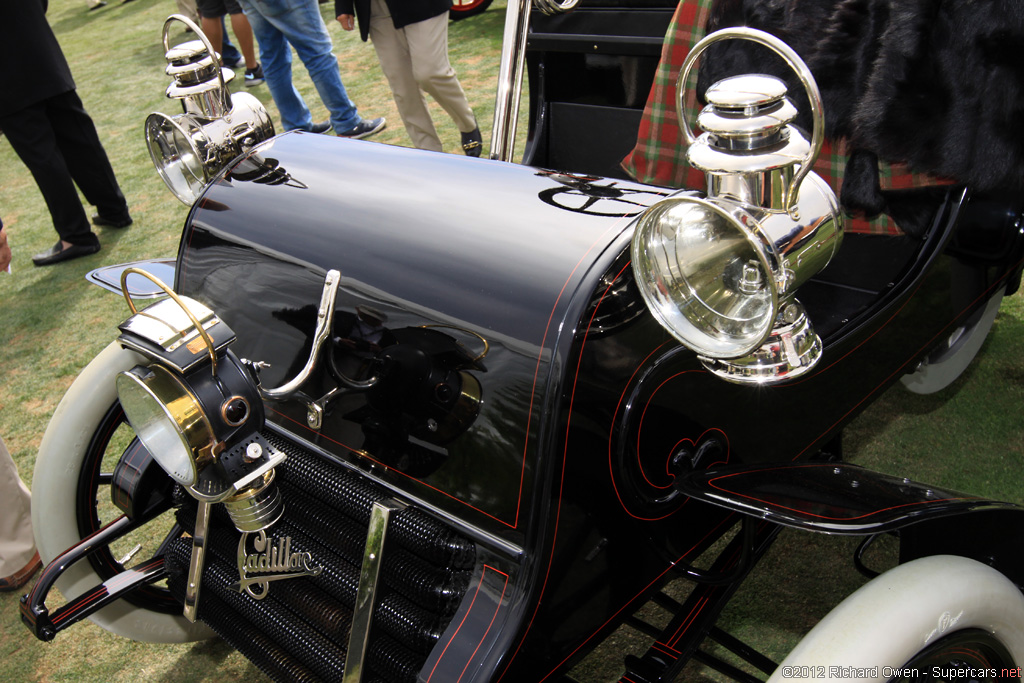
(190, 148)
(720, 272)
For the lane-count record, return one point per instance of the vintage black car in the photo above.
(406, 416)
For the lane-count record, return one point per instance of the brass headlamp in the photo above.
(215, 127)
(197, 409)
(720, 272)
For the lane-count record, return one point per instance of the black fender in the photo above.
(845, 499)
(991, 536)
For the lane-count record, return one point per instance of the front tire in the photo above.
(68, 492)
(935, 612)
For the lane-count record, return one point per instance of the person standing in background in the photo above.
(44, 120)
(19, 560)
(5, 250)
(18, 557)
(278, 27)
(187, 8)
(212, 13)
(411, 40)
(229, 54)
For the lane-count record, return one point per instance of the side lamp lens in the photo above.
(704, 277)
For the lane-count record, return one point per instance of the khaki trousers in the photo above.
(16, 543)
(188, 8)
(415, 60)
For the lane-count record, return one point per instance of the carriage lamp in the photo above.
(188, 149)
(720, 271)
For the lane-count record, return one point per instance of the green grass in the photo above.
(52, 323)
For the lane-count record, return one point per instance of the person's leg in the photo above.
(304, 28)
(31, 135)
(188, 9)
(243, 32)
(276, 56)
(17, 546)
(396, 62)
(86, 159)
(428, 45)
(229, 53)
(214, 30)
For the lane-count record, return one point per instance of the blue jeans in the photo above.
(276, 23)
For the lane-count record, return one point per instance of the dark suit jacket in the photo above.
(403, 12)
(34, 67)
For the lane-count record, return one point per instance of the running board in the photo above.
(832, 498)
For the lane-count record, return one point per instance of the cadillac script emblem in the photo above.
(272, 560)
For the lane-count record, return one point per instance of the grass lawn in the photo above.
(52, 323)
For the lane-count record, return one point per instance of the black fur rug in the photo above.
(936, 84)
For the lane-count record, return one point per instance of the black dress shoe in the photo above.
(119, 222)
(472, 143)
(58, 253)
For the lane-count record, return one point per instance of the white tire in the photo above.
(945, 364)
(55, 491)
(882, 626)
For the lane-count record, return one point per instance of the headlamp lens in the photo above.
(175, 157)
(167, 419)
(704, 277)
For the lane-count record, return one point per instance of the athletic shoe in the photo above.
(364, 129)
(254, 77)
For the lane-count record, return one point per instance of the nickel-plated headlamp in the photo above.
(706, 280)
(720, 272)
(215, 127)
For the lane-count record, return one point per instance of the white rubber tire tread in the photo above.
(897, 614)
(54, 485)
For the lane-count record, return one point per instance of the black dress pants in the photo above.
(58, 143)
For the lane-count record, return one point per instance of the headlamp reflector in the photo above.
(704, 277)
(176, 156)
(167, 418)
